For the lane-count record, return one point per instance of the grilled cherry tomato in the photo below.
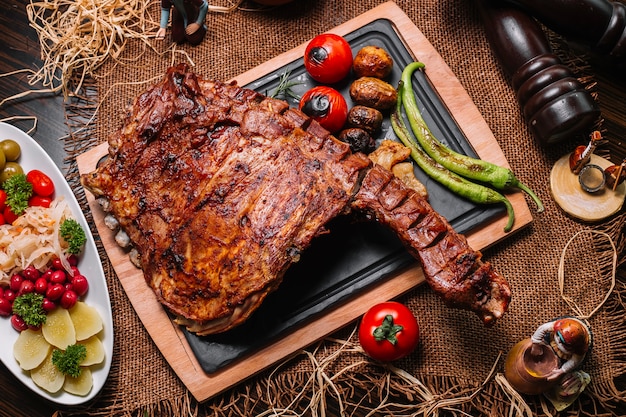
(327, 106)
(328, 58)
(42, 184)
(388, 331)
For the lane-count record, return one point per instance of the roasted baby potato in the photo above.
(358, 139)
(366, 118)
(372, 61)
(373, 92)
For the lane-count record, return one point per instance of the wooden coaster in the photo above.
(570, 196)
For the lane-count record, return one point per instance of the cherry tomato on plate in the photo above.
(3, 199)
(327, 106)
(388, 331)
(328, 58)
(39, 201)
(42, 184)
(9, 216)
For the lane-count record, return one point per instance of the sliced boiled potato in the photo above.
(81, 385)
(47, 376)
(95, 351)
(59, 329)
(86, 319)
(30, 349)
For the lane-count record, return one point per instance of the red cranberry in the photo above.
(10, 295)
(57, 264)
(73, 260)
(41, 285)
(47, 274)
(55, 291)
(6, 307)
(80, 285)
(48, 305)
(16, 282)
(68, 299)
(58, 277)
(31, 273)
(27, 287)
(18, 323)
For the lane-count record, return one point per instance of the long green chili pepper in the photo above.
(474, 192)
(474, 169)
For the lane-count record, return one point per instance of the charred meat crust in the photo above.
(220, 189)
(451, 268)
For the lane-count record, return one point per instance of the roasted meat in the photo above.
(220, 189)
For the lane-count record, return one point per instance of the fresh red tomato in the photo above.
(39, 201)
(388, 331)
(9, 216)
(42, 184)
(327, 106)
(3, 199)
(328, 58)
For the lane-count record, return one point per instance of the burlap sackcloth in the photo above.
(457, 363)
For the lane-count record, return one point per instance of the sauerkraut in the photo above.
(34, 239)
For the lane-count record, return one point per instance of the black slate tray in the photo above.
(355, 254)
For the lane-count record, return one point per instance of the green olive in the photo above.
(10, 169)
(11, 149)
(3, 160)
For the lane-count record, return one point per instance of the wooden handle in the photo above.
(555, 104)
(600, 24)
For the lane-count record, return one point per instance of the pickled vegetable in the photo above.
(80, 385)
(30, 349)
(95, 351)
(47, 376)
(86, 319)
(59, 329)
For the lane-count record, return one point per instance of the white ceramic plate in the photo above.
(33, 156)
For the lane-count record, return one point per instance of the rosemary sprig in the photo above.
(284, 88)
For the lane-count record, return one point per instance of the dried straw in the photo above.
(13, 118)
(323, 383)
(77, 37)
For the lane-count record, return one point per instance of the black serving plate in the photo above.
(355, 254)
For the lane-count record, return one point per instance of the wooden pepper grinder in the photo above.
(599, 24)
(555, 104)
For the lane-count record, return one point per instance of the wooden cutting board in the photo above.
(169, 338)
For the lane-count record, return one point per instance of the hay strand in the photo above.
(77, 37)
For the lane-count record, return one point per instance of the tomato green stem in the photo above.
(474, 169)
(388, 330)
(476, 193)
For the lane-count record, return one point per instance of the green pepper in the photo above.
(476, 193)
(500, 178)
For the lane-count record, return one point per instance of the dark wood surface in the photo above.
(20, 49)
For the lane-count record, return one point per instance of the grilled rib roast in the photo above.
(220, 189)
